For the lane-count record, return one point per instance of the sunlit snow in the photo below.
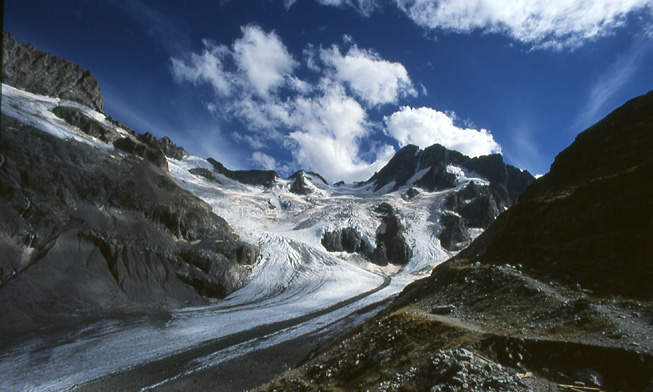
(295, 275)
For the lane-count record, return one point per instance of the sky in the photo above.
(339, 86)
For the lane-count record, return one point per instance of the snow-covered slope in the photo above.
(296, 278)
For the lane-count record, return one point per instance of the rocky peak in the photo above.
(29, 69)
(172, 150)
(266, 178)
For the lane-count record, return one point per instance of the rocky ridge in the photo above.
(553, 296)
(88, 231)
(26, 68)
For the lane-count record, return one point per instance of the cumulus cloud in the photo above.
(322, 123)
(327, 131)
(257, 63)
(263, 59)
(373, 79)
(426, 126)
(264, 161)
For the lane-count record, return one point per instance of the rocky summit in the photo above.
(25, 67)
(129, 264)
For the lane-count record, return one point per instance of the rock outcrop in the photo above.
(299, 186)
(507, 181)
(87, 232)
(27, 68)
(391, 246)
(172, 150)
(265, 178)
(589, 221)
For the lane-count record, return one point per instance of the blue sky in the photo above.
(338, 86)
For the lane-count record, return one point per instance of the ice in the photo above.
(294, 279)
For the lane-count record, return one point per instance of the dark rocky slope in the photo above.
(554, 296)
(90, 232)
(87, 231)
(589, 221)
(475, 206)
(27, 68)
(264, 178)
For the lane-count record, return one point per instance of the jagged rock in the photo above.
(106, 232)
(410, 194)
(172, 150)
(454, 233)
(299, 186)
(346, 240)
(437, 178)
(266, 178)
(27, 68)
(89, 126)
(476, 204)
(203, 172)
(391, 246)
(339, 183)
(507, 181)
(145, 146)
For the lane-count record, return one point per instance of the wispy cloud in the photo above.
(542, 24)
(165, 29)
(611, 81)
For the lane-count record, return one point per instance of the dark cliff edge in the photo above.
(26, 68)
(87, 232)
(590, 219)
(555, 295)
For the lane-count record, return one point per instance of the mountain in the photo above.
(107, 233)
(555, 295)
(87, 229)
(26, 68)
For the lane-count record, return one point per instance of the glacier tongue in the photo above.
(296, 285)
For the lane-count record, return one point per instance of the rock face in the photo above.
(172, 150)
(507, 181)
(589, 221)
(391, 246)
(89, 126)
(299, 186)
(28, 69)
(145, 146)
(92, 231)
(476, 206)
(265, 178)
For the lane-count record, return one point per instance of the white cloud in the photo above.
(263, 59)
(323, 123)
(553, 24)
(206, 67)
(264, 161)
(327, 131)
(426, 126)
(373, 79)
(545, 23)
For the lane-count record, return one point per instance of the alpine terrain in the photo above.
(127, 263)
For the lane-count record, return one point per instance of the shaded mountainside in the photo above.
(590, 219)
(29, 69)
(554, 295)
(89, 230)
(85, 231)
